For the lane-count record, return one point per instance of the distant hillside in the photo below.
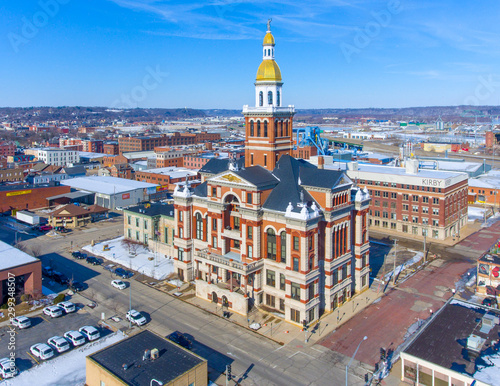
(94, 115)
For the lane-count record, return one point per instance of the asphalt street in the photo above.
(255, 360)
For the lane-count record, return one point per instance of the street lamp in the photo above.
(157, 381)
(350, 362)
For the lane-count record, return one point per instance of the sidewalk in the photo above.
(283, 332)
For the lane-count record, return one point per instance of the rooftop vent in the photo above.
(475, 343)
(155, 354)
(488, 322)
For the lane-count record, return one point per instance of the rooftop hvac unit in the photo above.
(155, 354)
(475, 343)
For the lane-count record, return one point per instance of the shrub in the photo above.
(25, 297)
(59, 298)
(4, 306)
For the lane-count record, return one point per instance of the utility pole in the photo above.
(129, 303)
(395, 256)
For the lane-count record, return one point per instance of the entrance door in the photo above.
(180, 272)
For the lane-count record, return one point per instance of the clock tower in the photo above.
(268, 125)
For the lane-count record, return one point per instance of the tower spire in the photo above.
(269, 25)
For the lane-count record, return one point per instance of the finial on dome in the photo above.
(269, 24)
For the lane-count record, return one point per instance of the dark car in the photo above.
(93, 260)
(76, 254)
(181, 339)
(76, 286)
(123, 273)
(47, 271)
(60, 278)
(82, 256)
(489, 302)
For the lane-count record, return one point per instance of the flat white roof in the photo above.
(173, 172)
(12, 257)
(106, 185)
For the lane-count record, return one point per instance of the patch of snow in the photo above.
(176, 282)
(66, 369)
(475, 213)
(489, 374)
(118, 253)
(466, 280)
(466, 304)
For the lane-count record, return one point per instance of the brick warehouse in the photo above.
(270, 230)
(25, 196)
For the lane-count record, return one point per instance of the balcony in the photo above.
(232, 233)
(228, 262)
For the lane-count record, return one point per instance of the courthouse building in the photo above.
(271, 230)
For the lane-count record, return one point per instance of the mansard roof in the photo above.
(218, 165)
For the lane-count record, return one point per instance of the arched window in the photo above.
(261, 99)
(281, 128)
(199, 226)
(271, 244)
(251, 129)
(270, 98)
(276, 128)
(283, 246)
(265, 129)
(258, 128)
(286, 128)
(278, 98)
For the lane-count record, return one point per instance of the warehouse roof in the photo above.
(106, 185)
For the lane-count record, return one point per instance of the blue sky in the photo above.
(332, 53)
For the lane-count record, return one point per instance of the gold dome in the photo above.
(268, 39)
(269, 71)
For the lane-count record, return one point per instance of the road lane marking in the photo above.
(32, 357)
(41, 315)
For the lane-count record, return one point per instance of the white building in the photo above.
(58, 157)
(111, 192)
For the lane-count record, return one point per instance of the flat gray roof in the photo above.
(106, 185)
(12, 257)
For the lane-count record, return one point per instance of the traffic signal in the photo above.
(228, 371)
(382, 353)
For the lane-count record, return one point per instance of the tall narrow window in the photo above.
(199, 226)
(278, 98)
(265, 129)
(271, 244)
(258, 128)
(251, 129)
(261, 99)
(265, 160)
(270, 98)
(283, 246)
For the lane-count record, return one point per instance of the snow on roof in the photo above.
(86, 154)
(437, 174)
(173, 172)
(13, 257)
(106, 185)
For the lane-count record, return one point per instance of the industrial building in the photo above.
(111, 192)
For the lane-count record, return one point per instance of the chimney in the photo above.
(321, 162)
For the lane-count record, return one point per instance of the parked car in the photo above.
(60, 278)
(489, 302)
(75, 337)
(90, 332)
(7, 369)
(68, 307)
(136, 317)
(76, 254)
(119, 208)
(62, 229)
(42, 351)
(76, 286)
(59, 344)
(21, 322)
(93, 260)
(53, 311)
(123, 273)
(181, 339)
(118, 284)
(47, 271)
(44, 228)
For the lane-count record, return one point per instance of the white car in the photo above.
(136, 317)
(59, 344)
(21, 322)
(90, 332)
(67, 307)
(118, 284)
(53, 311)
(7, 368)
(75, 337)
(42, 351)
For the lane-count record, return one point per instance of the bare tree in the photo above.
(36, 250)
(133, 246)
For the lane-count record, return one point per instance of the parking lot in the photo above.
(42, 328)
